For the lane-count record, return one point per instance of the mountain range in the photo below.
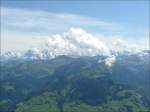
(76, 72)
(78, 42)
(76, 84)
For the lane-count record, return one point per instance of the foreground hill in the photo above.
(76, 84)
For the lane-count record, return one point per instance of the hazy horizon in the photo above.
(27, 26)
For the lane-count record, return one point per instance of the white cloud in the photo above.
(24, 29)
(42, 20)
(110, 61)
(18, 41)
(77, 42)
(118, 45)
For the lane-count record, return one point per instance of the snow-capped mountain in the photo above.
(10, 55)
(77, 42)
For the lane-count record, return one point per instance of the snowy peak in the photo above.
(12, 55)
(78, 42)
(33, 54)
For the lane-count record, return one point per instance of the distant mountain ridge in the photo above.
(77, 42)
(65, 83)
(45, 55)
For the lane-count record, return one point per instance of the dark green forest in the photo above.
(66, 84)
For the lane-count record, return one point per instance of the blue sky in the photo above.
(122, 18)
(127, 12)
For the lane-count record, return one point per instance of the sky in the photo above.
(26, 24)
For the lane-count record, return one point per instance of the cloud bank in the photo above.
(78, 42)
(27, 20)
(22, 29)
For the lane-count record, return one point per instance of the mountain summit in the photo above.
(78, 42)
